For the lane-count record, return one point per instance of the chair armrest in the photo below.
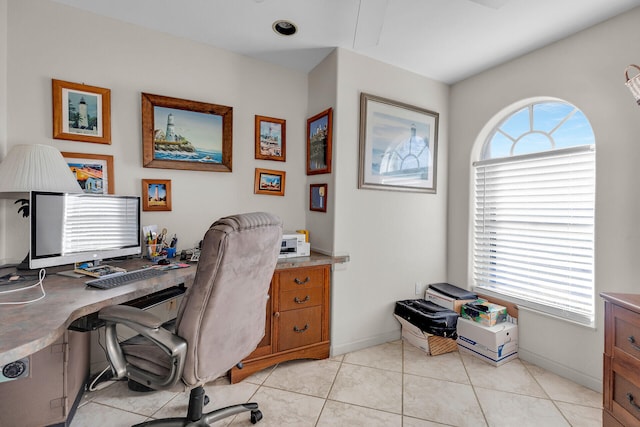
(125, 314)
(149, 326)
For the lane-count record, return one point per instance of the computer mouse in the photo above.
(164, 261)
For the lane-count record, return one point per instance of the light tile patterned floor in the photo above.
(390, 385)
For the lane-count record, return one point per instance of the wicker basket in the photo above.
(633, 83)
(440, 345)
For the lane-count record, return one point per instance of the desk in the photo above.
(27, 328)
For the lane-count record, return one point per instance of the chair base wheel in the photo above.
(255, 416)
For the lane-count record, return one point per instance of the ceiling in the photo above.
(446, 40)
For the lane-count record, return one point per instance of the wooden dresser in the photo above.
(297, 317)
(621, 379)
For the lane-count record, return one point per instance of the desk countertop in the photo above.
(27, 328)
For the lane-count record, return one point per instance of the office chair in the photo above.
(219, 322)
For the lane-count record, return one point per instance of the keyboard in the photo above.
(119, 279)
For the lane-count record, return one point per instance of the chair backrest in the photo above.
(222, 316)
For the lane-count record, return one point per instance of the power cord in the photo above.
(41, 275)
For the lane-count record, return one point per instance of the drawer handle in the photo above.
(301, 301)
(632, 340)
(296, 329)
(302, 282)
(632, 402)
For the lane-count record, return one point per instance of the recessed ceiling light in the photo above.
(284, 28)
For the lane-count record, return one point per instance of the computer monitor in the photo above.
(68, 228)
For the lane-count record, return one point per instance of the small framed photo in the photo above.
(269, 182)
(94, 172)
(81, 112)
(318, 197)
(187, 135)
(156, 194)
(271, 138)
(319, 137)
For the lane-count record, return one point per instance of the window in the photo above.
(533, 220)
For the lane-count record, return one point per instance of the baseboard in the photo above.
(338, 349)
(562, 370)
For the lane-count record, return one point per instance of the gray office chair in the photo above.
(220, 320)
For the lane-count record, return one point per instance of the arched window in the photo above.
(534, 194)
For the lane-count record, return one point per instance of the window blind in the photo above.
(533, 230)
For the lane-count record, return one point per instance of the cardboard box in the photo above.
(420, 339)
(445, 300)
(484, 312)
(494, 344)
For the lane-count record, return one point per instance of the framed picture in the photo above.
(318, 197)
(181, 134)
(269, 181)
(271, 139)
(94, 172)
(398, 146)
(81, 112)
(319, 137)
(156, 194)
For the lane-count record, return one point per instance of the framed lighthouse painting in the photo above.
(156, 194)
(183, 134)
(81, 112)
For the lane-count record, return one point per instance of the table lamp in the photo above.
(34, 167)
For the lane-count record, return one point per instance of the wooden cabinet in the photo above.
(621, 376)
(297, 317)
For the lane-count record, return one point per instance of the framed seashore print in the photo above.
(188, 135)
(398, 146)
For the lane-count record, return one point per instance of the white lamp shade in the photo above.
(35, 167)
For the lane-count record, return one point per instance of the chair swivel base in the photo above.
(195, 417)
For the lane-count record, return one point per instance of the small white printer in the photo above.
(294, 245)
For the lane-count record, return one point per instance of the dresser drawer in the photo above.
(301, 298)
(298, 328)
(299, 278)
(627, 397)
(627, 332)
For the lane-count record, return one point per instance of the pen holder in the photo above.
(171, 252)
(154, 252)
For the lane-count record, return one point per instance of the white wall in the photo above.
(393, 238)
(586, 70)
(49, 40)
(3, 114)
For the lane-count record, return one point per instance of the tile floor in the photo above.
(393, 384)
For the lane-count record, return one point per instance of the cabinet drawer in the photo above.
(627, 396)
(301, 298)
(627, 332)
(298, 278)
(298, 328)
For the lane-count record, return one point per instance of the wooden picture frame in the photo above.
(319, 142)
(94, 172)
(270, 138)
(81, 112)
(268, 181)
(156, 194)
(186, 135)
(318, 197)
(398, 146)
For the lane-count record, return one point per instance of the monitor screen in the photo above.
(68, 228)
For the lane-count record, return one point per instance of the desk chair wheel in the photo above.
(256, 416)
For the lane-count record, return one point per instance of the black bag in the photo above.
(453, 291)
(429, 317)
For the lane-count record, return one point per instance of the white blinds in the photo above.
(533, 230)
